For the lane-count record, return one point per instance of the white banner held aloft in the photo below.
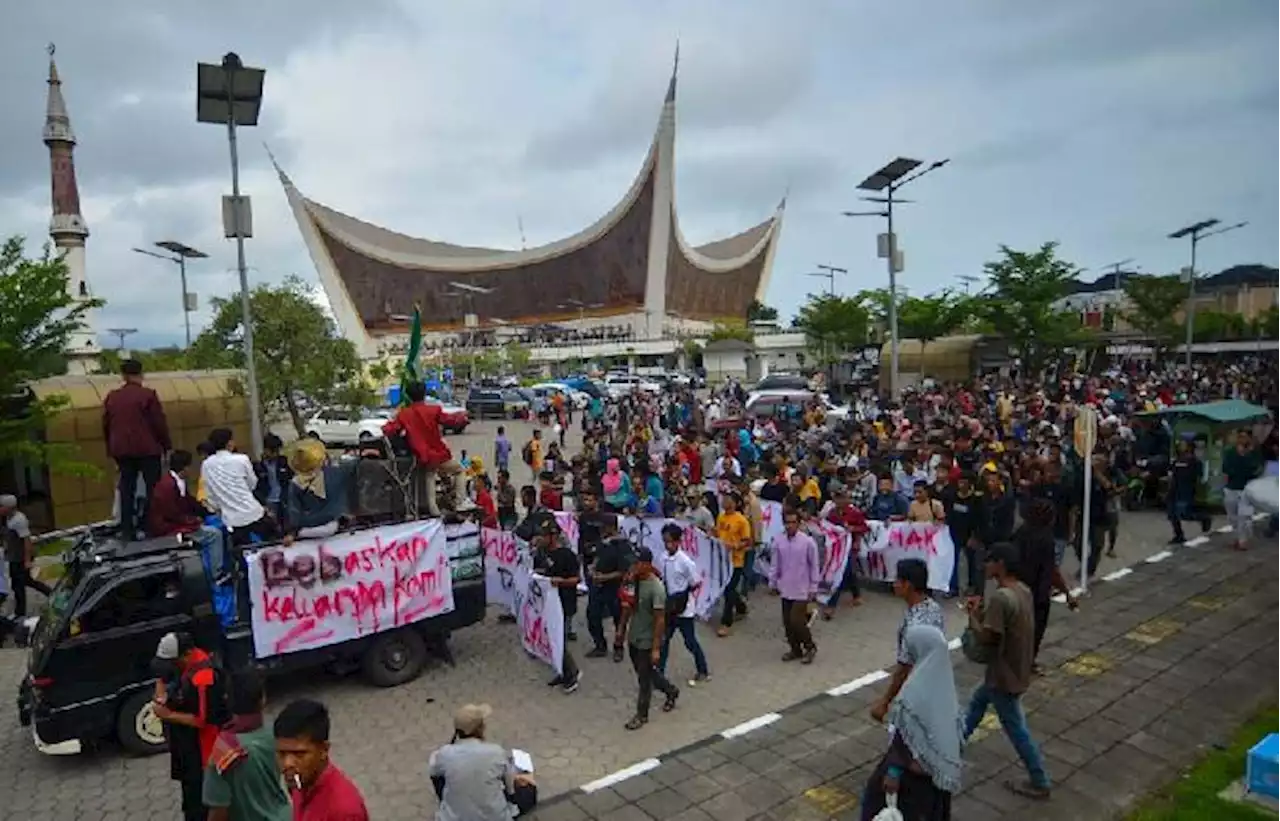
(501, 554)
(317, 593)
(539, 616)
(837, 548)
(708, 554)
(887, 543)
(770, 526)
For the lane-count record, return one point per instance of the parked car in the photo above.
(768, 402)
(782, 381)
(347, 426)
(493, 403)
(619, 384)
(578, 399)
(453, 418)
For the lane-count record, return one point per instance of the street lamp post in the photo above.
(230, 94)
(1197, 231)
(828, 272)
(181, 253)
(888, 180)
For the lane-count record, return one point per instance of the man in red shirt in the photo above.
(320, 791)
(419, 423)
(846, 515)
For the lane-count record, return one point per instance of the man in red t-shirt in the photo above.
(320, 791)
(419, 423)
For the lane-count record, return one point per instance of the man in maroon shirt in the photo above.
(419, 423)
(137, 438)
(320, 791)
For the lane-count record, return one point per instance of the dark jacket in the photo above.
(305, 509)
(284, 474)
(133, 423)
(171, 511)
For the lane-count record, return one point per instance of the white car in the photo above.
(621, 384)
(347, 426)
(577, 398)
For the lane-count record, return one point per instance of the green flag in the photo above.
(412, 370)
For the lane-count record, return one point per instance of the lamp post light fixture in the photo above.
(181, 253)
(885, 183)
(1197, 231)
(230, 94)
(828, 272)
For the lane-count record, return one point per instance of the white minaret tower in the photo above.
(67, 227)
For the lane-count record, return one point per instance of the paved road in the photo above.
(383, 737)
(1162, 663)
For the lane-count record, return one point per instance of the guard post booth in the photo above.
(195, 402)
(1211, 427)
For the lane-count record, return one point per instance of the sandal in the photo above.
(670, 703)
(636, 723)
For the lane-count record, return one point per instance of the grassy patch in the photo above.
(1194, 796)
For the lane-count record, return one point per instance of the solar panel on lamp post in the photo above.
(1197, 231)
(230, 94)
(181, 253)
(889, 179)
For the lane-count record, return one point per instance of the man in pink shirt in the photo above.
(794, 575)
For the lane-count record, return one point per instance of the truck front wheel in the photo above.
(138, 729)
(395, 657)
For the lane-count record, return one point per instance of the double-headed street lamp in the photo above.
(885, 183)
(828, 272)
(230, 94)
(181, 253)
(1197, 232)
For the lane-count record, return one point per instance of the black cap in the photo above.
(644, 554)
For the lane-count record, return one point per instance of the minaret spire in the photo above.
(67, 226)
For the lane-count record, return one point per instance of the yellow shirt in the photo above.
(810, 490)
(734, 531)
(535, 454)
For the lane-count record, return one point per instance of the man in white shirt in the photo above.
(229, 480)
(683, 582)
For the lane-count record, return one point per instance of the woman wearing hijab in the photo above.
(616, 486)
(923, 764)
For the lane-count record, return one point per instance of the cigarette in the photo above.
(297, 781)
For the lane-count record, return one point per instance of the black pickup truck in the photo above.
(88, 673)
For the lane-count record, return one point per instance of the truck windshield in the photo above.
(54, 614)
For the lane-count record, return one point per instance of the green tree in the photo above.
(517, 357)
(1020, 304)
(759, 312)
(1264, 325)
(158, 360)
(1152, 303)
(297, 350)
(833, 324)
(37, 320)
(731, 330)
(930, 317)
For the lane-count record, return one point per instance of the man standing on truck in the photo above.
(229, 481)
(242, 781)
(419, 423)
(191, 701)
(137, 437)
(18, 553)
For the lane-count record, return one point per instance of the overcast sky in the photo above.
(1098, 124)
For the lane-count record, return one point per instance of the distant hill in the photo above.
(1232, 277)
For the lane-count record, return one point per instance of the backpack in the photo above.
(526, 452)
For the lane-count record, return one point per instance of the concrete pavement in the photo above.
(1161, 662)
(383, 737)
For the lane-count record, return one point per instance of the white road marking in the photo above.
(1117, 574)
(1257, 517)
(1224, 529)
(857, 684)
(1196, 542)
(621, 775)
(747, 726)
(1155, 558)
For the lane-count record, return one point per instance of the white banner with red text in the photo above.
(317, 593)
(539, 615)
(710, 556)
(876, 555)
(502, 553)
